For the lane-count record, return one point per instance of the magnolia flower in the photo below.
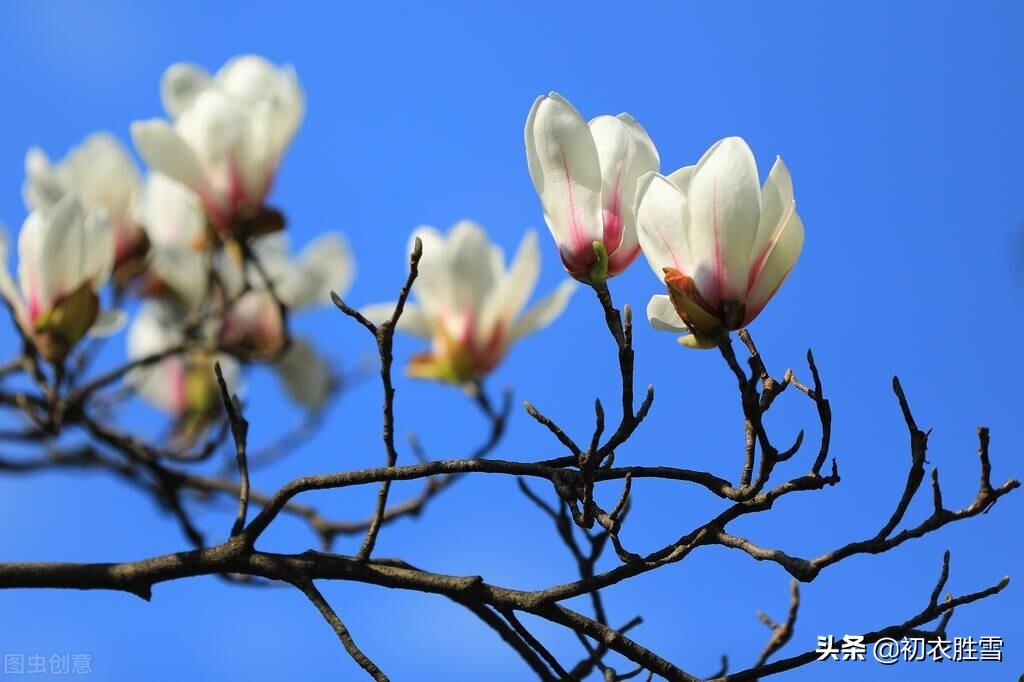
(103, 177)
(586, 177)
(469, 304)
(182, 385)
(253, 324)
(229, 133)
(64, 258)
(721, 243)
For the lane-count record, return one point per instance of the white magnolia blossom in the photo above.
(103, 177)
(586, 177)
(182, 385)
(253, 324)
(228, 134)
(64, 259)
(722, 243)
(468, 304)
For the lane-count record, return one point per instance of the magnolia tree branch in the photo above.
(384, 335)
(584, 527)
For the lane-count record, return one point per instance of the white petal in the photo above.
(692, 341)
(180, 85)
(42, 188)
(305, 374)
(103, 175)
(272, 95)
(324, 266)
(662, 225)
(681, 178)
(777, 206)
(156, 327)
(663, 316)
(98, 248)
(217, 129)
(778, 264)
(625, 152)
(514, 288)
(184, 270)
(164, 150)
(432, 285)
(8, 290)
(472, 268)
(566, 172)
(544, 311)
(725, 206)
(172, 215)
(52, 253)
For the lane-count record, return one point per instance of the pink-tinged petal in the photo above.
(625, 153)
(724, 199)
(155, 327)
(623, 257)
(776, 267)
(662, 221)
(566, 172)
(777, 206)
(51, 253)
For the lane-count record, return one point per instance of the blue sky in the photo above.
(902, 126)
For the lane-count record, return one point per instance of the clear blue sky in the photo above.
(902, 126)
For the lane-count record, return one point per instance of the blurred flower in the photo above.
(182, 385)
(254, 324)
(103, 176)
(228, 135)
(469, 305)
(64, 258)
(586, 177)
(720, 242)
(179, 257)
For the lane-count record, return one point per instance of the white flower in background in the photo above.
(64, 259)
(179, 260)
(586, 177)
(469, 304)
(103, 177)
(720, 242)
(227, 138)
(253, 325)
(182, 385)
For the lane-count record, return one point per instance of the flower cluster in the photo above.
(720, 242)
(191, 239)
(194, 241)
